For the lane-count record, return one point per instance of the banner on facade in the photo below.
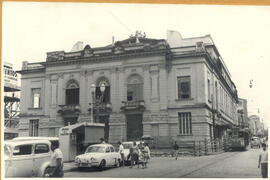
(10, 76)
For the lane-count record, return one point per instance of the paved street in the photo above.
(230, 165)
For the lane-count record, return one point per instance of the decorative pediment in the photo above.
(87, 52)
(55, 56)
(118, 48)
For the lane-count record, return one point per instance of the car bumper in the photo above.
(92, 164)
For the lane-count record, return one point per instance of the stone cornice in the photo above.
(104, 58)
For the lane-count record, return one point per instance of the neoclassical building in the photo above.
(178, 88)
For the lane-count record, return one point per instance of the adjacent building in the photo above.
(256, 126)
(11, 102)
(178, 88)
(243, 120)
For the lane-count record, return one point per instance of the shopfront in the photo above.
(75, 138)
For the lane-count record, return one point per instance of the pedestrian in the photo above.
(175, 150)
(142, 159)
(147, 153)
(121, 151)
(56, 161)
(102, 141)
(263, 161)
(134, 153)
(140, 145)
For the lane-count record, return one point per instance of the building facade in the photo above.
(257, 127)
(171, 89)
(243, 120)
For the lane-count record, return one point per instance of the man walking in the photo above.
(263, 161)
(56, 161)
(121, 150)
(175, 149)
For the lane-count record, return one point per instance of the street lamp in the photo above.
(98, 104)
(93, 90)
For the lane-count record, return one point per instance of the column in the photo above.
(54, 94)
(146, 87)
(163, 87)
(122, 91)
(47, 95)
(83, 102)
(60, 90)
(114, 90)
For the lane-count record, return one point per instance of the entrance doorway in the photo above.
(105, 120)
(134, 127)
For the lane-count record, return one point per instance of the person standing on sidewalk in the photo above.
(175, 149)
(56, 161)
(263, 161)
(121, 151)
(147, 152)
(134, 154)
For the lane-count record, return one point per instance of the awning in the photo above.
(68, 129)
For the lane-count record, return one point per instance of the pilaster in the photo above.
(47, 94)
(83, 91)
(163, 88)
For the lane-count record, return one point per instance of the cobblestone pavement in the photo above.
(240, 164)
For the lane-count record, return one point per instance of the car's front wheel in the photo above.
(102, 165)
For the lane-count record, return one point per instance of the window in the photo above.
(112, 149)
(134, 89)
(105, 96)
(36, 97)
(185, 124)
(208, 89)
(22, 150)
(216, 95)
(221, 97)
(129, 96)
(41, 148)
(72, 93)
(33, 127)
(107, 149)
(183, 87)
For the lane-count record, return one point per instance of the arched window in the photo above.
(72, 93)
(134, 88)
(105, 96)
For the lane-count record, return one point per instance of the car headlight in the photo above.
(78, 160)
(93, 159)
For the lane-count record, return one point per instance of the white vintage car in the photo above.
(27, 158)
(100, 156)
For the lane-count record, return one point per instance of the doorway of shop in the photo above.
(105, 120)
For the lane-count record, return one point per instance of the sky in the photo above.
(241, 34)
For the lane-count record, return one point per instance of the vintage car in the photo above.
(28, 158)
(51, 139)
(100, 156)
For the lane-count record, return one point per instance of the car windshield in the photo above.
(127, 146)
(96, 149)
(7, 150)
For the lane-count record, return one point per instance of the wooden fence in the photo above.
(193, 147)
